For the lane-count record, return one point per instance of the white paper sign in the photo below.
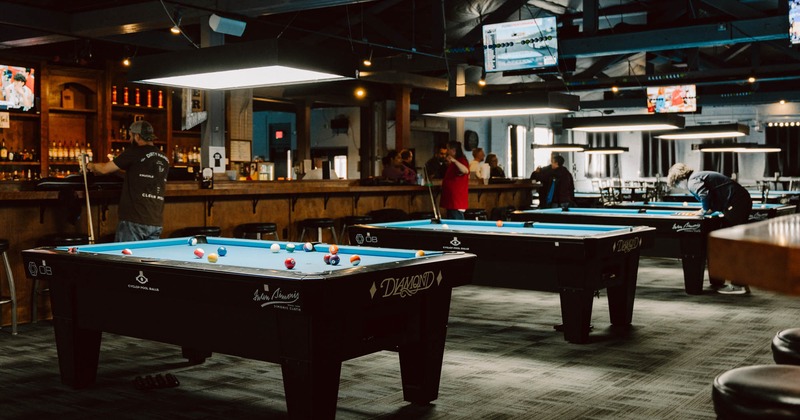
(216, 158)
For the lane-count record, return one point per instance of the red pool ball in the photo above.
(289, 263)
(127, 251)
(327, 258)
(198, 252)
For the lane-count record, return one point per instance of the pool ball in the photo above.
(192, 241)
(212, 257)
(499, 223)
(289, 247)
(221, 251)
(420, 253)
(685, 204)
(333, 249)
(444, 226)
(355, 260)
(275, 248)
(308, 247)
(198, 252)
(335, 259)
(289, 263)
(72, 249)
(327, 258)
(127, 251)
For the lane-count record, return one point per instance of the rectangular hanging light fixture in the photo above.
(715, 131)
(562, 147)
(636, 122)
(736, 148)
(501, 105)
(612, 150)
(241, 65)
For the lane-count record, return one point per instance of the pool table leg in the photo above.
(576, 314)
(621, 296)
(311, 387)
(693, 257)
(78, 352)
(421, 361)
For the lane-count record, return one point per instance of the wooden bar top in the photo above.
(764, 254)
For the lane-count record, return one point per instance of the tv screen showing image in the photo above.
(523, 45)
(794, 21)
(18, 92)
(661, 99)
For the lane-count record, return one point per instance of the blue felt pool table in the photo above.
(769, 196)
(577, 260)
(758, 213)
(679, 234)
(308, 319)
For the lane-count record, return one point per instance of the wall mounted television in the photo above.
(680, 98)
(17, 88)
(794, 21)
(522, 45)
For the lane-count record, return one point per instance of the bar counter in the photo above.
(28, 216)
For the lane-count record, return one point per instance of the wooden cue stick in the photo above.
(430, 192)
(86, 192)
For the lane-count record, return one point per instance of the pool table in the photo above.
(308, 319)
(678, 234)
(773, 197)
(759, 212)
(579, 260)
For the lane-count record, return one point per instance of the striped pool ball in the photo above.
(308, 247)
(333, 249)
(355, 260)
(127, 251)
(289, 247)
(192, 241)
(198, 252)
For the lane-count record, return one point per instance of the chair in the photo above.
(348, 221)
(318, 224)
(476, 214)
(197, 230)
(422, 215)
(501, 213)
(257, 230)
(758, 392)
(388, 215)
(12, 293)
(57, 239)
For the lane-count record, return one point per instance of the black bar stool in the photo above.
(197, 230)
(388, 215)
(422, 215)
(758, 392)
(786, 347)
(12, 293)
(318, 224)
(257, 230)
(57, 239)
(348, 221)
(476, 214)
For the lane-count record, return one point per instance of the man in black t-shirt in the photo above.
(141, 206)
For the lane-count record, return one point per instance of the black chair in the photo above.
(388, 215)
(422, 215)
(12, 293)
(317, 224)
(197, 231)
(758, 392)
(256, 230)
(476, 214)
(56, 239)
(348, 221)
(501, 213)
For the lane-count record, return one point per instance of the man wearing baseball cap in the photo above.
(141, 206)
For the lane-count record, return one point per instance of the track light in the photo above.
(126, 61)
(176, 30)
(368, 61)
(482, 81)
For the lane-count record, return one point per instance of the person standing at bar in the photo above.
(455, 184)
(558, 187)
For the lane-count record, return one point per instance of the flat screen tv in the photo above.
(18, 91)
(794, 21)
(522, 45)
(661, 99)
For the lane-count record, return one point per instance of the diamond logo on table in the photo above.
(405, 286)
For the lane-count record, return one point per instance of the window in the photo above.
(340, 166)
(515, 153)
(542, 135)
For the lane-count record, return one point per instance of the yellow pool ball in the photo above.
(212, 257)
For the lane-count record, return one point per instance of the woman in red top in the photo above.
(455, 184)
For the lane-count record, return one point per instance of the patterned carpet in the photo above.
(503, 360)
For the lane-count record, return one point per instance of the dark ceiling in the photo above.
(629, 44)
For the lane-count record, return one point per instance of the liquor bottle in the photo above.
(125, 96)
(160, 99)
(89, 153)
(3, 151)
(51, 152)
(114, 95)
(138, 103)
(11, 155)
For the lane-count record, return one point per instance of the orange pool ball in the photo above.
(420, 253)
(499, 223)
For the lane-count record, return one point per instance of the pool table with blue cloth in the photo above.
(308, 319)
(758, 213)
(772, 197)
(579, 259)
(678, 234)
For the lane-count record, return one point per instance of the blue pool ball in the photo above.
(192, 241)
(221, 251)
(335, 259)
(289, 247)
(308, 247)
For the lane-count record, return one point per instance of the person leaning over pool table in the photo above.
(716, 192)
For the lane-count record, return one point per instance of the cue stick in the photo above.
(83, 158)
(430, 192)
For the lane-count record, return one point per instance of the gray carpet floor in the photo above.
(503, 360)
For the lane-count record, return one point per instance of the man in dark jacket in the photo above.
(558, 187)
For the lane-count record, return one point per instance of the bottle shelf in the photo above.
(72, 110)
(138, 108)
(19, 163)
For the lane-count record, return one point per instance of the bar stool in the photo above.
(197, 230)
(758, 392)
(57, 239)
(501, 213)
(12, 293)
(786, 347)
(348, 221)
(388, 215)
(422, 215)
(318, 224)
(257, 230)
(476, 214)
